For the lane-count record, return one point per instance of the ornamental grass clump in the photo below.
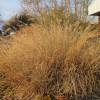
(61, 61)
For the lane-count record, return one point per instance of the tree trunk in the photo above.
(76, 7)
(67, 7)
(99, 22)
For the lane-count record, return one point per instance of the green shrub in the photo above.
(17, 22)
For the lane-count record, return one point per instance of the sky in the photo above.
(9, 8)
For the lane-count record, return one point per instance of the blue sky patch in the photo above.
(9, 8)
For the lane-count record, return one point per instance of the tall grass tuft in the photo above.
(59, 61)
